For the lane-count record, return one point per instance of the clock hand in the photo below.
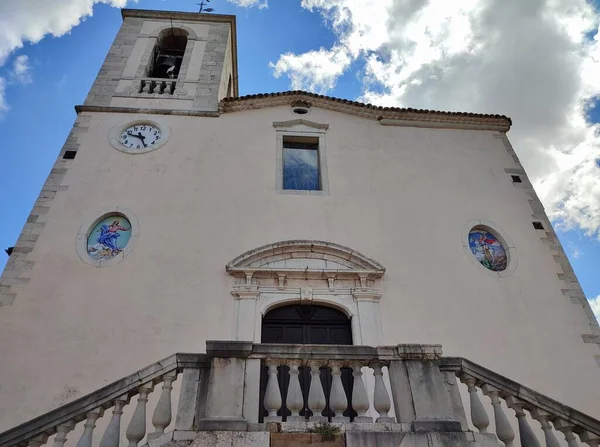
(141, 137)
(132, 135)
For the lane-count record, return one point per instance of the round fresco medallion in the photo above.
(109, 237)
(488, 249)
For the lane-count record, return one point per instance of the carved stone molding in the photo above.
(301, 103)
(300, 122)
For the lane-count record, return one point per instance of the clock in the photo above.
(140, 137)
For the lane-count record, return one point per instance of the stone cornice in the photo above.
(386, 115)
(110, 109)
(254, 259)
(177, 15)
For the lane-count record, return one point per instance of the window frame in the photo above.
(303, 132)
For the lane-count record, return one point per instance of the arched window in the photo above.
(168, 53)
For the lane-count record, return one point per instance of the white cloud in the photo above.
(250, 3)
(21, 70)
(575, 251)
(531, 60)
(315, 70)
(595, 305)
(30, 20)
(3, 106)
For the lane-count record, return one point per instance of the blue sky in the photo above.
(342, 50)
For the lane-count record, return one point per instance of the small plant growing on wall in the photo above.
(326, 429)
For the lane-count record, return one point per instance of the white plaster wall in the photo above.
(398, 195)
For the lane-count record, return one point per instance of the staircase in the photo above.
(399, 395)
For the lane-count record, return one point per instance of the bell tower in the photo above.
(168, 61)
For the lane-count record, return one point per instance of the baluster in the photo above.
(526, 435)
(360, 398)
(591, 439)
(161, 418)
(316, 395)
(136, 430)
(112, 433)
(142, 86)
(567, 429)
(381, 398)
(272, 399)
(38, 440)
(504, 430)
(295, 401)
(479, 417)
(337, 398)
(61, 433)
(90, 424)
(542, 417)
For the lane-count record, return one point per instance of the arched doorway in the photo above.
(307, 324)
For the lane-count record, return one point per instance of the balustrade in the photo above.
(157, 85)
(551, 415)
(317, 402)
(315, 392)
(89, 409)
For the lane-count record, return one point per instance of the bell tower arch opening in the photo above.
(168, 53)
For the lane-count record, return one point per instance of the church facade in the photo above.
(179, 212)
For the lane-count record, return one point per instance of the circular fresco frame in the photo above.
(498, 233)
(85, 229)
(116, 131)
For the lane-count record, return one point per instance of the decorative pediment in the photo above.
(308, 258)
(300, 123)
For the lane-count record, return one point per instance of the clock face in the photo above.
(140, 137)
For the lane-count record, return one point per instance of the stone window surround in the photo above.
(301, 128)
(116, 131)
(91, 222)
(507, 243)
(253, 301)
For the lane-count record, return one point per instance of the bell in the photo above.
(168, 62)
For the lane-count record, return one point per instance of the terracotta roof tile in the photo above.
(367, 106)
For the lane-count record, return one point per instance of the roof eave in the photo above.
(387, 116)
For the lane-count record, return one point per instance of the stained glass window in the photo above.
(488, 250)
(301, 166)
(109, 237)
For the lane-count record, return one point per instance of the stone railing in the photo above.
(395, 392)
(552, 415)
(158, 86)
(117, 395)
(327, 361)
(411, 370)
